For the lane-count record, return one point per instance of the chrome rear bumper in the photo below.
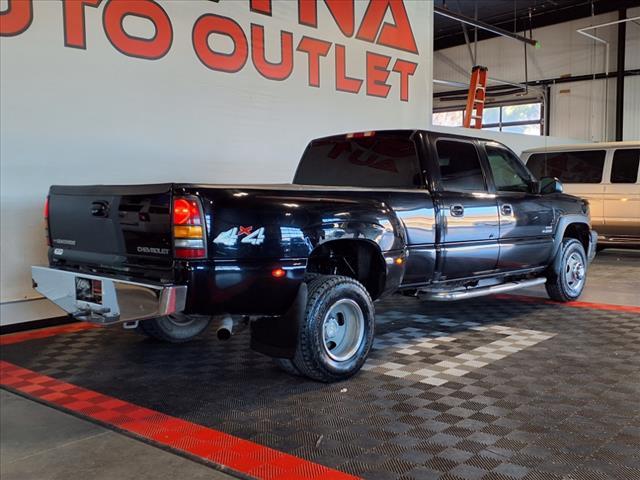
(115, 300)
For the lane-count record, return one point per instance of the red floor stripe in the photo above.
(232, 452)
(44, 333)
(593, 306)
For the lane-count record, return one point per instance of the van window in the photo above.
(570, 167)
(384, 160)
(460, 169)
(624, 168)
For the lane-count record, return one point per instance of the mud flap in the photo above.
(278, 336)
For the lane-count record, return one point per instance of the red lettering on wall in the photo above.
(342, 12)
(344, 83)
(75, 34)
(16, 18)
(272, 71)
(150, 48)
(377, 74)
(314, 49)
(398, 36)
(209, 24)
(260, 6)
(405, 69)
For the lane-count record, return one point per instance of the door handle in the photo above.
(506, 210)
(456, 210)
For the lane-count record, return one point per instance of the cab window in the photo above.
(460, 169)
(509, 174)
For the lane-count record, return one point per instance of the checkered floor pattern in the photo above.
(488, 388)
(404, 353)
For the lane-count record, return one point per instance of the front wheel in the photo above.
(175, 328)
(566, 282)
(337, 330)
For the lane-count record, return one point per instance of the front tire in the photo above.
(566, 282)
(175, 328)
(337, 330)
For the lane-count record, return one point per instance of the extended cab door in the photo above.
(467, 211)
(526, 217)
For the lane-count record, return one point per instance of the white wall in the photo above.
(580, 111)
(74, 116)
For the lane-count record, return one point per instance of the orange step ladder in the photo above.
(476, 97)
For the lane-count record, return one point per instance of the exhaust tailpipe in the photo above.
(225, 329)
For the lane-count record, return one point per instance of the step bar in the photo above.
(452, 295)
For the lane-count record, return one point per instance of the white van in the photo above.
(607, 175)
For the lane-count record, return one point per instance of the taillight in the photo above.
(188, 228)
(45, 213)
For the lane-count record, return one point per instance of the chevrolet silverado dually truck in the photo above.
(437, 216)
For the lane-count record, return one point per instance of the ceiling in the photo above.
(501, 13)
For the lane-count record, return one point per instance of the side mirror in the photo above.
(550, 185)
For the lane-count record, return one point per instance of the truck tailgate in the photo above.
(120, 228)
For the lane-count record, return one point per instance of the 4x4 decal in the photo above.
(230, 237)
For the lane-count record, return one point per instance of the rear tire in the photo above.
(337, 330)
(566, 282)
(175, 328)
(286, 365)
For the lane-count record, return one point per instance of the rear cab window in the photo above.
(584, 166)
(372, 159)
(624, 168)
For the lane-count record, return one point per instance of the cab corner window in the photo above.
(509, 174)
(460, 169)
(624, 168)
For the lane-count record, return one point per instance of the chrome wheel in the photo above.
(343, 330)
(574, 273)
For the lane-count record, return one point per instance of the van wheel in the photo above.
(175, 328)
(566, 282)
(337, 330)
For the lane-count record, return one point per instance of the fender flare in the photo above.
(563, 223)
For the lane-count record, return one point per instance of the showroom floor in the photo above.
(505, 387)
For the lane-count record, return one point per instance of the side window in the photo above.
(624, 168)
(460, 169)
(509, 175)
(570, 167)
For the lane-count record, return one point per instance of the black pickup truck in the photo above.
(437, 216)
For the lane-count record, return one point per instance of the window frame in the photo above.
(500, 124)
(488, 184)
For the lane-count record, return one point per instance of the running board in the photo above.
(444, 296)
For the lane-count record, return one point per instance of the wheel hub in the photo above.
(343, 330)
(575, 273)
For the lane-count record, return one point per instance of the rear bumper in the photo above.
(118, 300)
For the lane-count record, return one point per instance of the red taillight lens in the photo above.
(188, 232)
(186, 212)
(46, 209)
